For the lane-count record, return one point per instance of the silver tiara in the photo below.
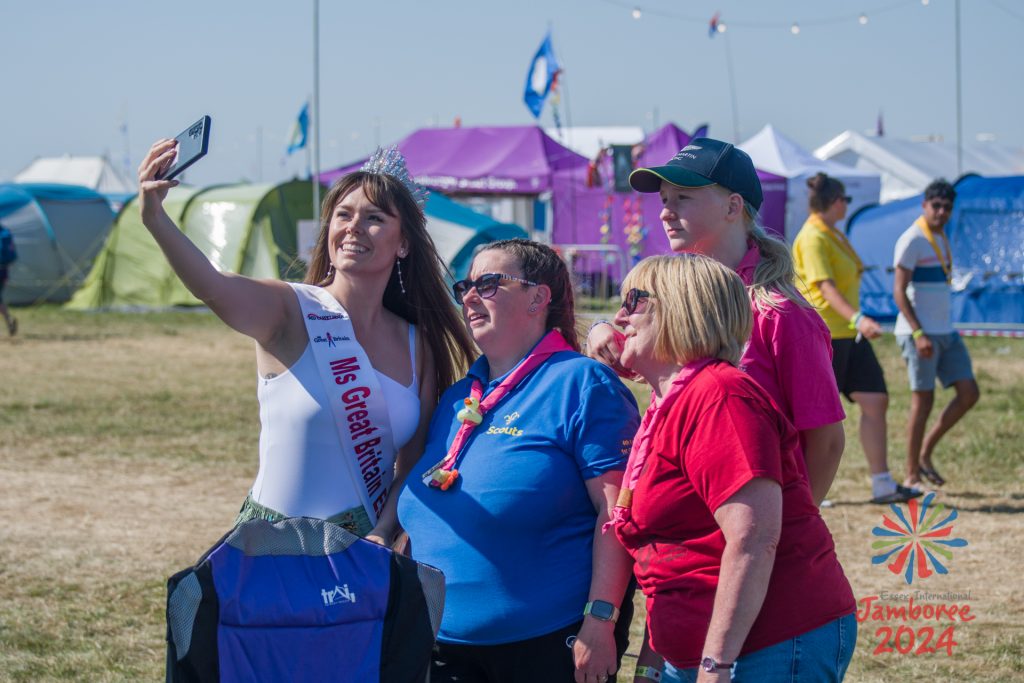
(390, 161)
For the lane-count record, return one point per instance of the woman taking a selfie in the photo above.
(350, 364)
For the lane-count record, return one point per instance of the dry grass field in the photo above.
(127, 443)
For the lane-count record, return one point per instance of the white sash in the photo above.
(354, 394)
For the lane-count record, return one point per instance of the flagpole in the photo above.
(732, 90)
(315, 123)
(959, 101)
(572, 185)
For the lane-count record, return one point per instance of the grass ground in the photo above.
(127, 443)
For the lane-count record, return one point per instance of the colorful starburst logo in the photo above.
(916, 539)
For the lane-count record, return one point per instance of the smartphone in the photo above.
(193, 142)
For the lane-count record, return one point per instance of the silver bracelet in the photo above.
(596, 323)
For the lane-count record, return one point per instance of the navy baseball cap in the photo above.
(701, 163)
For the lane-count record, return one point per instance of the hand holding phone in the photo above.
(191, 145)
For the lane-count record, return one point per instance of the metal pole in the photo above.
(572, 185)
(127, 150)
(315, 123)
(259, 153)
(959, 101)
(732, 91)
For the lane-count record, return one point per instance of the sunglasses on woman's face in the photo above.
(486, 285)
(633, 299)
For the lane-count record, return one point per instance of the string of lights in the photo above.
(795, 26)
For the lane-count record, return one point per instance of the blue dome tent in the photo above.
(57, 230)
(986, 234)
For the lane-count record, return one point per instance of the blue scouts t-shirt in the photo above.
(514, 534)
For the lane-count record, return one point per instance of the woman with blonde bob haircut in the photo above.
(728, 545)
(708, 314)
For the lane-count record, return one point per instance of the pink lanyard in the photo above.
(642, 442)
(443, 474)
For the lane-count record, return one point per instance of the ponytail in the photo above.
(823, 191)
(775, 275)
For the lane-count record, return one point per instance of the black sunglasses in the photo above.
(486, 285)
(633, 299)
(847, 198)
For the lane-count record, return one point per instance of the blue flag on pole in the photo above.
(539, 79)
(300, 130)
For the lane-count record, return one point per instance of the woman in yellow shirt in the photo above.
(828, 275)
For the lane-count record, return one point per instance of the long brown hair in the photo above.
(541, 264)
(823, 191)
(426, 302)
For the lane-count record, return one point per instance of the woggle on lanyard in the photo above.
(443, 475)
(471, 413)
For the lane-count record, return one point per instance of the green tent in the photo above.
(247, 229)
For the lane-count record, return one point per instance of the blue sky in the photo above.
(74, 72)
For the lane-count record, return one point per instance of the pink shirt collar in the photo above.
(749, 263)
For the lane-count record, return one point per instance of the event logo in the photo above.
(337, 596)
(916, 537)
(915, 542)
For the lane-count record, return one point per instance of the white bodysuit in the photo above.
(302, 471)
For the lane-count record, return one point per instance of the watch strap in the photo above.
(710, 664)
(589, 610)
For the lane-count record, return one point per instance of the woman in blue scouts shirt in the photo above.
(521, 471)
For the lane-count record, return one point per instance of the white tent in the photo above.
(907, 166)
(96, 173)
(773, 152)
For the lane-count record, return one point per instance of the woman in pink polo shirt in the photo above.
(711, 195)
(739, 569)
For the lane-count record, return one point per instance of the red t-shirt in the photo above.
(722, 432)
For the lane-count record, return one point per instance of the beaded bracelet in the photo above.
(855, 320)
(596, 323)
(648, 672)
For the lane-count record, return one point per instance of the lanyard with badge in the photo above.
(839, 238)
(443, 474)
(946, 263)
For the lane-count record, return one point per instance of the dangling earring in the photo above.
(398, 262)
(330, 271)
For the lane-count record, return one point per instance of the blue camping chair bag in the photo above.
(301, 600)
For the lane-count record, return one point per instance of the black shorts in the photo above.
(856, 367)
(536, 660)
